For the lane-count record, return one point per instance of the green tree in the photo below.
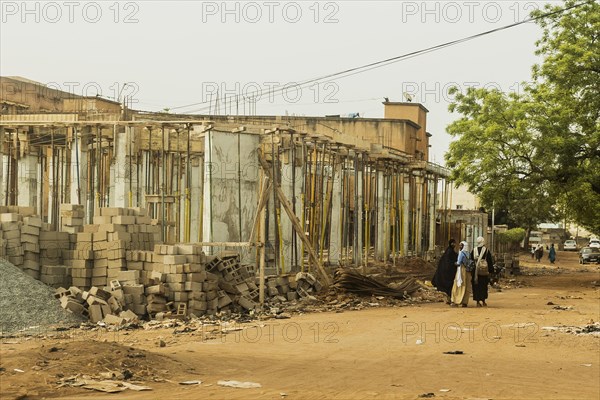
(496, 157)
(539, 152)
(566, 96)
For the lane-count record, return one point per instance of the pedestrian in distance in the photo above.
(539, 252)
(552, 254)
(446, 271)
(461, 288)
(484, 266)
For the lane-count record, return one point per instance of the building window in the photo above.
(459, 207)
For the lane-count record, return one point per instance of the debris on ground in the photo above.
(354, 282)
(592, 329)
(239, 385)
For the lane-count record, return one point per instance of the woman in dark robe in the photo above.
(446, 270)
(481, 280)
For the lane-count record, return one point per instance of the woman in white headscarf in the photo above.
(481, 276)
(461, 289)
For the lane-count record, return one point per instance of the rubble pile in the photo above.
(179, 281)
(96, 304)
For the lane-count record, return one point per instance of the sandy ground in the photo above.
(509, 351)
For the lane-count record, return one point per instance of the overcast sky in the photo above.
(178, 53)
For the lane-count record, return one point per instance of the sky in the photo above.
(217, 56)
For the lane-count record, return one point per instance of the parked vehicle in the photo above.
(594, 243)
(589, 255)
(570, 245)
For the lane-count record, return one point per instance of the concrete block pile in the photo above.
(237, 283)
(96, 304)
(115, 265)
(53, 271)
(20, 242)
(98, 251)
(71, 218)
(306, 284)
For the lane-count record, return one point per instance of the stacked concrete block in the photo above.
(52, 245)
(11, 234)
(117, 231)
(134, 297)
(55, 275)
(30, 240)
(71, 218)
(79, 259)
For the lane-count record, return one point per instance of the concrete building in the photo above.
(325, 190)
(461, 217)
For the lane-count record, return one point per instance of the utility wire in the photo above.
(392, 60)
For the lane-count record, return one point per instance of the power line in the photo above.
(391, 60)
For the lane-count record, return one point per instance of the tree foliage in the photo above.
(515, 235)
(537, 155)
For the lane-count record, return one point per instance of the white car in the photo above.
(594, 243)
(570, 245)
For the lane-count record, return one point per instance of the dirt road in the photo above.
(511, 350)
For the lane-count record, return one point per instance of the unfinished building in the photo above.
(296, 193)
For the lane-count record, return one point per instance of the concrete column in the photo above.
(419, 208)
(119, 170)
(195, 197)
(79, 173)
(406, 214)
(207, 208)
(292, 189)
(2, 168)
(359, 218)
(433, 187)
(52, 188)
(335, 237)
(231, 188)
(383, 230)
(28, 181)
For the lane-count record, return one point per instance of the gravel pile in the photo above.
(29, 305)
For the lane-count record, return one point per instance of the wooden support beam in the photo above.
(295, 222)
(227, 244)
(262, 202)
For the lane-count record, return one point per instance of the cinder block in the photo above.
(155, 289)
(81, 273)
(9, 217)
(174, 259)
(197, 305)
(95, 311)
(176, 278)
(193, 286)
(114, 320)
(30, 230)
(33, 222)
(25, 238)
(196, 277)
(123, 220)
(128, 276)
(11, 235)
(70, 221)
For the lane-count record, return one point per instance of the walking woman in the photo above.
(461, 289)
(446, 271)
(552, 254)
(484, 267)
